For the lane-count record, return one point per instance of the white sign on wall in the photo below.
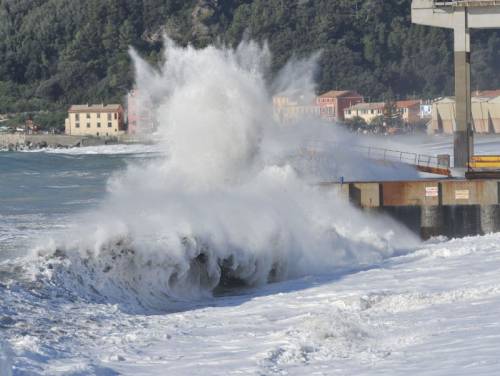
(462, 194)
(431, 192)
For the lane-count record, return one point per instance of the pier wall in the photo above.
(449, 207)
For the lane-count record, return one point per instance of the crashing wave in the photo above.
(224, 207)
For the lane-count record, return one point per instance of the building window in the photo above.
(98, 115)
(77, 125)
(98, 125)
(88, 125)
(116, 116)
(109, 125)
(88, 115)
(373, 111)
(77, 117)
(109, 116)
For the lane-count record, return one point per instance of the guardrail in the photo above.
(439, 165)
(414, 159)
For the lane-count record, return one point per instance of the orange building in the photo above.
(409, 110)
(333, 103)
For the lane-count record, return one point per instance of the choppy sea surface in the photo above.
(38, 191)
(430, 310)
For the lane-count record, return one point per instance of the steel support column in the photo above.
(463, 135)
(461, 16)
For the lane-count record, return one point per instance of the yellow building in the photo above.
(366, 111)
(95, 120)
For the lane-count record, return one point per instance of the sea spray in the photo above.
(227, 203)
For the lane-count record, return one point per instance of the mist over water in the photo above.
(233, 200)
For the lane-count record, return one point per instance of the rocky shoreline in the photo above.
(20, 142)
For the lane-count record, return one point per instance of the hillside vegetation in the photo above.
(57, 52)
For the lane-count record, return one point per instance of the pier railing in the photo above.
(422, 162)
(383, 154)
(439, 164)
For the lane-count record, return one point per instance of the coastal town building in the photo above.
(95, 120)
(329, 106)
(333, 103)
(140, 113)
(29, 126)
(426, 110)
(290, 108)
(366, 111)
(485, 108)
(409, 110)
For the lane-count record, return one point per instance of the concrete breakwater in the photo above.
(21, 141)
(449, 207)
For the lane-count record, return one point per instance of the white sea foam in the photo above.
(112, 149)
(5, 359)
(229, 202)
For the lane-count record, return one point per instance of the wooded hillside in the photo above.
(56, 52)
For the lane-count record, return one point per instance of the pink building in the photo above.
(139, 113)
(333, 103)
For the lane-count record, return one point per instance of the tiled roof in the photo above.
(408, 103)
(338, 93)
(368, 106)
(487, 93)
(95, 108)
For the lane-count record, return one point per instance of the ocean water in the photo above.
(426, 309)
(215, 252)
(96, 244)
(39, 191)
(101, 249)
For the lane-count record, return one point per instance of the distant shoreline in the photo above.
(18, 141)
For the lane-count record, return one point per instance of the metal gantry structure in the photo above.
(461, 16)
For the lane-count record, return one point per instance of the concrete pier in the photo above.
(431, 221)
(449, 207)
(490, 218)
